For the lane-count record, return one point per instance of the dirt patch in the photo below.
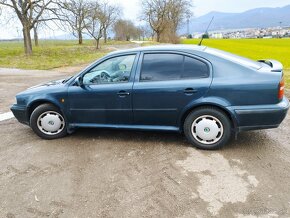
(110, 173)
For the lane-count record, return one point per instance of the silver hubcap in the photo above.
(207, 129)
(50, 123)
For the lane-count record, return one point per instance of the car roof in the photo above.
(168, 47)
(197, 50)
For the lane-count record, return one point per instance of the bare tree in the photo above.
(29, 12)
(94, 23)
(35, 34)
(177, 12)
(47, 16)
(165, 16)
(146, 31)
(37, 26)
(72, 14)
(155, 13)
(111, 14)
(125, 30)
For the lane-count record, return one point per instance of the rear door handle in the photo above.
(123, 93)
(189, 91)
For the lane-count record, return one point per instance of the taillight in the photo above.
(281, 89)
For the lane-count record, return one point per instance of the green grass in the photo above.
(278, 49)
(51, 54)
(59, 53)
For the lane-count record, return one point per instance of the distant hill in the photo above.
(255, 18)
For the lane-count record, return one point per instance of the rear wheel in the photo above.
(207, 128)
(48, 122)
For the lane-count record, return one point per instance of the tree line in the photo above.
(161, 19)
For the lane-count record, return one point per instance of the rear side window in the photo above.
(162, 67)
(194, 68)
(158, 67)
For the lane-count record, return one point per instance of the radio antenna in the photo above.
(202, 37)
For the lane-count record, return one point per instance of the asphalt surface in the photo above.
(110, 173)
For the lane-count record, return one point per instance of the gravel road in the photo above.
(110, 173)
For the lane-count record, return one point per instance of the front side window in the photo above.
(164, 67)
(113, 70)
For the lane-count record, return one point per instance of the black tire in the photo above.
(38, 111)
(208, 113)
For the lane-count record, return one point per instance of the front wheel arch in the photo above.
(33, 105)
(49, 133)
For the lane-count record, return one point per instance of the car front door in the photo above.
(105, 94)
(165, 84)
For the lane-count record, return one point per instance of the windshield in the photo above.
(235, 58)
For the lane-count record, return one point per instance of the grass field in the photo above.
(54, 54)
(278, 49)
(51, 54)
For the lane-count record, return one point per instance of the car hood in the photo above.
(50, 83)
(44, 88)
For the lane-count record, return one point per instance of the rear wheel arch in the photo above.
(197, 107)
(207, 128)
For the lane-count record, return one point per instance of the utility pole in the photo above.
(280, 31)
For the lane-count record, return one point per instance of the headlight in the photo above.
(21, 100)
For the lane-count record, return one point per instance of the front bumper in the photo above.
(260, 116)
(21, 113)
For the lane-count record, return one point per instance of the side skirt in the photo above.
(111, 126)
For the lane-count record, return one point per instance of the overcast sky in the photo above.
(201, 7)
(132, 8)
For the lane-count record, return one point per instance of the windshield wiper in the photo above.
(64, 81)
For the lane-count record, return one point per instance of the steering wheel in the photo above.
(121, 75)
(105, 75)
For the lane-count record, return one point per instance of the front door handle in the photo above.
(123, 93)
(190, 91)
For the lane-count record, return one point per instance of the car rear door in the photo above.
(165, 83)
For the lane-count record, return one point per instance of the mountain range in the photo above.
(255, 18)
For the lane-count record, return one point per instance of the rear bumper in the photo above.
(260, 116)
(20, 112)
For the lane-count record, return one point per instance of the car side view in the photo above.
(207, 94)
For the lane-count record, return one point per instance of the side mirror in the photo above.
(79, 81)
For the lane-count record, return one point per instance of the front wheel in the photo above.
(48, 122)
(207, 128)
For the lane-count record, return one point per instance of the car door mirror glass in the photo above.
(79, 81)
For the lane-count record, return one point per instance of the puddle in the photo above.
(220, 181)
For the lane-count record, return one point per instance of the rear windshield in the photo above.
(235, 58)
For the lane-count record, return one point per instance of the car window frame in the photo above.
(107, 57)
(207, 65)
(190, 55)
(111, 83)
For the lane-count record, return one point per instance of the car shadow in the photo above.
(246, 140)
(131, 135)
(249, 141)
